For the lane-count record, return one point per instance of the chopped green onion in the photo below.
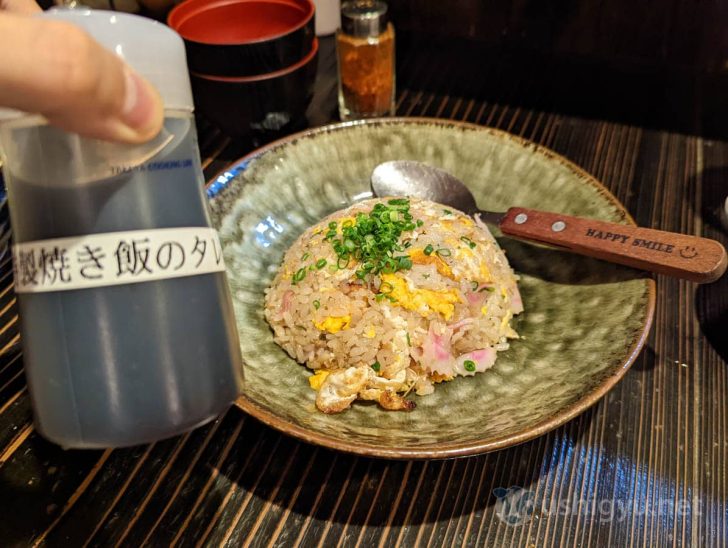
(429, 249)
(312, 267)
(404, 263)
(388, 266)
(409, 343)
(374, 238)
(320, 263)
(317, 304)
(443, 252)
(469, 365)
(299, 275)
(386, 288)
(487, 288)
(468, 241)
(376, 366)
(447, 212)
(474, 285)
(419, 223)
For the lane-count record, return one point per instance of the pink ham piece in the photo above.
(475, 299)
(484, 358)
(286, 301)
(516, 301)
(436, 352)
(462, 323)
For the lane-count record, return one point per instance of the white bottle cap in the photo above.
(152, 49)
(328, 16)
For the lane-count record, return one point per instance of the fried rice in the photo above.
(379, 323)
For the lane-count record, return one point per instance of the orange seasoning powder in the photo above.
(366, 74)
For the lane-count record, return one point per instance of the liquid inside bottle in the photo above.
(124, 364)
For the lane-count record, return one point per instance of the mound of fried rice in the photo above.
(387, 335)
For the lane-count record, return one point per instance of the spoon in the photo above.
(680, 255)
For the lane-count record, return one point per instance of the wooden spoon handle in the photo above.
(689, 257)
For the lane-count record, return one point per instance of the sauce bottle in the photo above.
(126, 318)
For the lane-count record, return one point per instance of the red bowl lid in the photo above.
(239, 22)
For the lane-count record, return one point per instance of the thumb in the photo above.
(57, 70)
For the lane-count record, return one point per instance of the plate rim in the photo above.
(444, 450)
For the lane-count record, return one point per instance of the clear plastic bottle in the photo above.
(126, 318)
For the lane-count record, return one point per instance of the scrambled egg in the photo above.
(422, 301)
(484, 272)
(460, 219)
(341, 387)
(345, 220)
(506, 319)
(440, 377)
(333, 324)
(418, 257)
(318, 378)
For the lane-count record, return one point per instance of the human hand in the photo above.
(55, 69)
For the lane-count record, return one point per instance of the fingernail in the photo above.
(142, 105)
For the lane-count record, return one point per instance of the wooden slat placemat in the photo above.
(645, 466)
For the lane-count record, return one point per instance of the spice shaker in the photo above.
(127, 324)
(365, 53)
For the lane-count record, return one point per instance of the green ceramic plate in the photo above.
(584, 324)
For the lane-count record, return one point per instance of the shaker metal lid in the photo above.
(363, 18)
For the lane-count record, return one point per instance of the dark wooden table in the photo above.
(646, 466)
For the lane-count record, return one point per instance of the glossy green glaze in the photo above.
(584, 320)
